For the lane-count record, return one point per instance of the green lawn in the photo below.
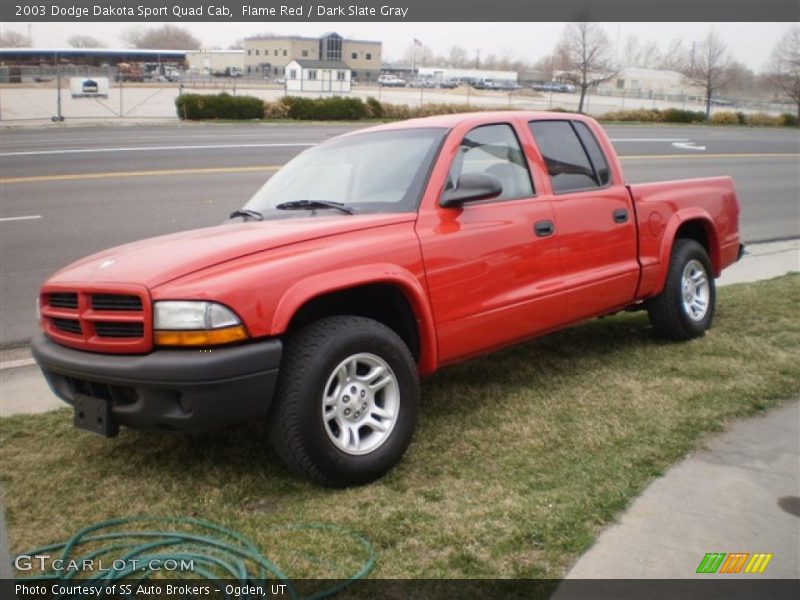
(519, 457)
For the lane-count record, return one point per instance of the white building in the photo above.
(220, 62)
(634, 81)
(317, 76)
(445, 74)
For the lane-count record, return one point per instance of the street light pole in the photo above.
(59, 116)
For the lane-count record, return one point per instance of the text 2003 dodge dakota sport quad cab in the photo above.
(367, 260)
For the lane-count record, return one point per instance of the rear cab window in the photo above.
(573, 157)
(493, 149)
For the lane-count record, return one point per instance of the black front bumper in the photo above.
(183, 390)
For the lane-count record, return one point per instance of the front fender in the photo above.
(341, 279)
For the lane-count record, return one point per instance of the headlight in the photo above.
(195, 323)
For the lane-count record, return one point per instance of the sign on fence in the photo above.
(89, 87)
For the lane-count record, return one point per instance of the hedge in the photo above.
(219, 106)
(674, 115)
(325, 109)
(336, 108)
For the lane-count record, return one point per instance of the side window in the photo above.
(564, 155)
(599, 162)
(493, 149)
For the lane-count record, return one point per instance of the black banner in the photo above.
(398, 10)
(406, 589)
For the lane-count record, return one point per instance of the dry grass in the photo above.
(519, 458)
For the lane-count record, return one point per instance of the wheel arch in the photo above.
(695, 224)
(386, 293)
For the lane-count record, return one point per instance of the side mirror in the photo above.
(471, 187)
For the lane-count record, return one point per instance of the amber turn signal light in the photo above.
(209, 337)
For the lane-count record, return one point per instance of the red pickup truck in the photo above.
(371, 259)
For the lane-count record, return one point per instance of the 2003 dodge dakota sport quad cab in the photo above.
(371, 259)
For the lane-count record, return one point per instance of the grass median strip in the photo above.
(519, 459)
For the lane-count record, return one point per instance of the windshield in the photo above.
(378, 172)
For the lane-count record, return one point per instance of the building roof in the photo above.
(66, 52)
(306, 38)
(320, 64)
(214, 51)
(271, 36)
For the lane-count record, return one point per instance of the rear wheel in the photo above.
(685, 307)
(347, 401)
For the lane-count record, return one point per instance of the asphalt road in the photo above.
(89, 188)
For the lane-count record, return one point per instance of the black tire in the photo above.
(296, 427)
(668, 315)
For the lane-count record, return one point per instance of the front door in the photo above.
(492, 266)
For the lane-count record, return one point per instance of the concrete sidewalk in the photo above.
(741, 493)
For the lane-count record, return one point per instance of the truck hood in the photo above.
(155, 261)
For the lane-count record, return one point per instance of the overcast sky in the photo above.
(750, 43)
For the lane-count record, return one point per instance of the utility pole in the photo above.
(59, 116)
(478, 60)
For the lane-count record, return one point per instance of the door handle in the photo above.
(544, 228)
(620, 215)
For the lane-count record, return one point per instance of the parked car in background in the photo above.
(554, 86)
(391, 81)
(448, 84)
(371, 259)
(422, 83)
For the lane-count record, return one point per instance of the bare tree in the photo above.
(166, 37)
(544, 68)
(418, 55)
(85, 41)
(710, 67)
(584, 55)
(14, 39)
(675, 58)
(646, 56)
(457, 57)
(784, 66)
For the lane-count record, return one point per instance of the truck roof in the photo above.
(473, 118)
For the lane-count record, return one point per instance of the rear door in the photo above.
(594, 219)
(492, 279)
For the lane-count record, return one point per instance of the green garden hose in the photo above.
(216, 554)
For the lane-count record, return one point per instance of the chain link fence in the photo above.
(140, 93)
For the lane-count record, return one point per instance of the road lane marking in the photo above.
(27, 218)
(154, 148)
(706, 156)
(648, 139)
(16, 364)
(688, 146)
(265, 168)
(154, 173)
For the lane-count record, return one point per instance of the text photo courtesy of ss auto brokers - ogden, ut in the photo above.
(211, 10)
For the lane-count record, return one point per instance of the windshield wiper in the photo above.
(247, 214)
(314, 204)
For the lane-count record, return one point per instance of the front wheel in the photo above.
(685, 307)
(347, 401)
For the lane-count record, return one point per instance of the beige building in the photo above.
(268, 56)
(216, 61)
